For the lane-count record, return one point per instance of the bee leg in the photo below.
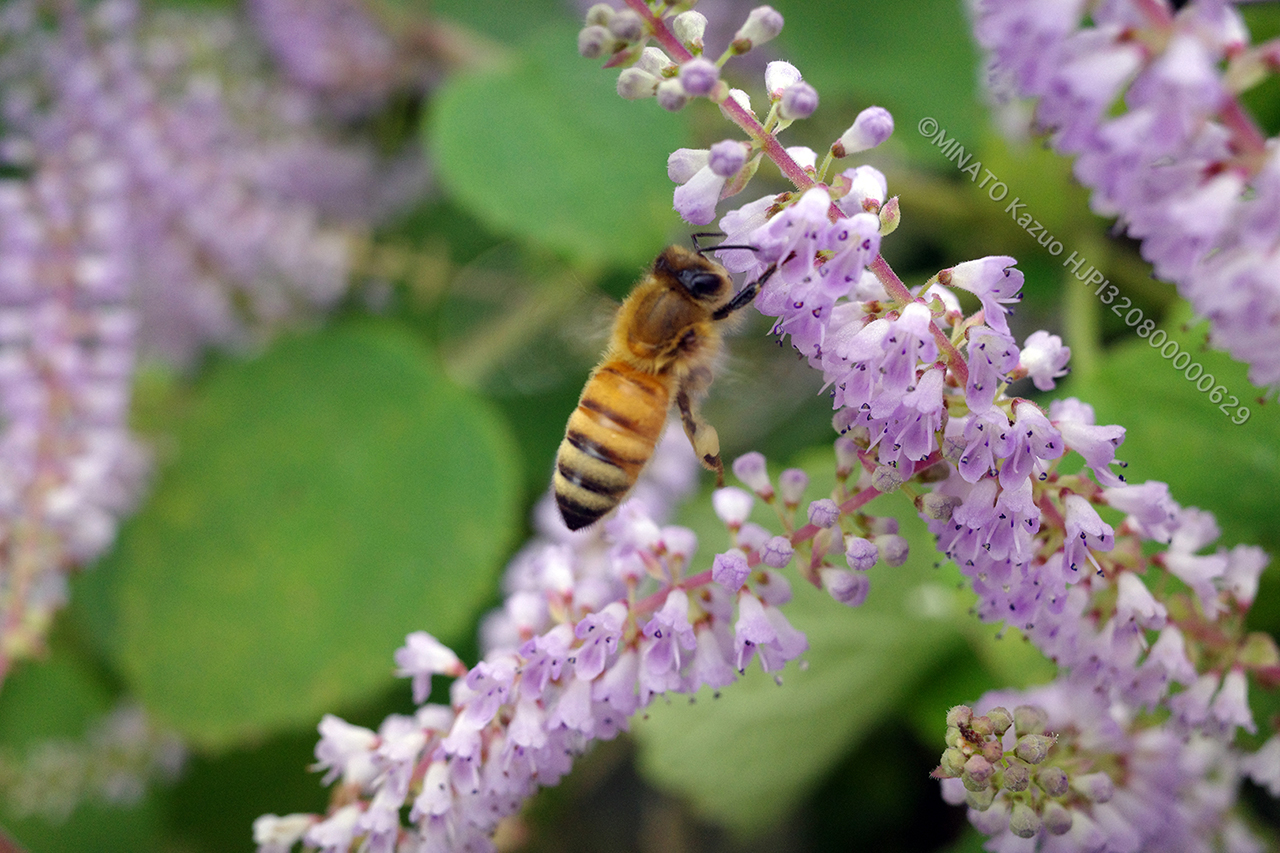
(702, 435)
(745, 296)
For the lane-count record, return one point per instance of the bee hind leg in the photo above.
(702, 435)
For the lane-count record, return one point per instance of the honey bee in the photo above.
(663, 349)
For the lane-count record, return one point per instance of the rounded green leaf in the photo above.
(916, 60)
(326, 499)
(543, 149)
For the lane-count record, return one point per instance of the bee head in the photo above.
(701, 278)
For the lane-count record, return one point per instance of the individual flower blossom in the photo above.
(1045, 359)
(1263, 766)
(423, 656)
(636, 83)
(702, 174)
(872, 126)
(848, 588)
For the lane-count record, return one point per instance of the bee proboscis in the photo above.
(663, 350)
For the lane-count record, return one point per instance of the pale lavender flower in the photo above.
(872, 126)
(334, 47)
(1045, 359)
(1180, 164)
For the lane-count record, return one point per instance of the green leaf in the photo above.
(544, 150)
(747, 757)
(915, 59)
(1178, 434)
(327, 498)
(60, 699)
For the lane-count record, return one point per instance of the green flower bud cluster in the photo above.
(1006, 761)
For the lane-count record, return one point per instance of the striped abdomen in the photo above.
(609, 439)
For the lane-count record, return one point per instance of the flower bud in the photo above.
(778, 75)
(977, 773)
(887, 478)
(1053, 780)
(600, 15)
(960, 715)
(939, 507)
(980, 800)
(872, 126)
(893, 549)
(890, 216)
(992, 750)
(952, 764)
(1057, 819)
(626, 25)
(732, 505)
(1023, 820)
(698, 76)
(634, 84)
(671, 96)
(824, 513)
(750, 469)
(777, 552)
(846, 456)
(689, 28)
(762, 25)
(656, 62)
(792, 483)
(1095, 787)
(1029, 720)
(861, 554)
(1033, 749)
(798, 102)
(730, 569)
(594, 41)
(1017, 777)
(727, 157)
(844, 586)
(1000, 719)
(981, 726)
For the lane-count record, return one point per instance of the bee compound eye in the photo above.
(700, 284)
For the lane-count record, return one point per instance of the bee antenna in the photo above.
(702, 250)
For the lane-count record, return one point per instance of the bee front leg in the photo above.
(702, 435)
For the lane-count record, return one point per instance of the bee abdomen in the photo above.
(610, 437)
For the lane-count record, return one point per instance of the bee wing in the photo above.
(510, 325)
